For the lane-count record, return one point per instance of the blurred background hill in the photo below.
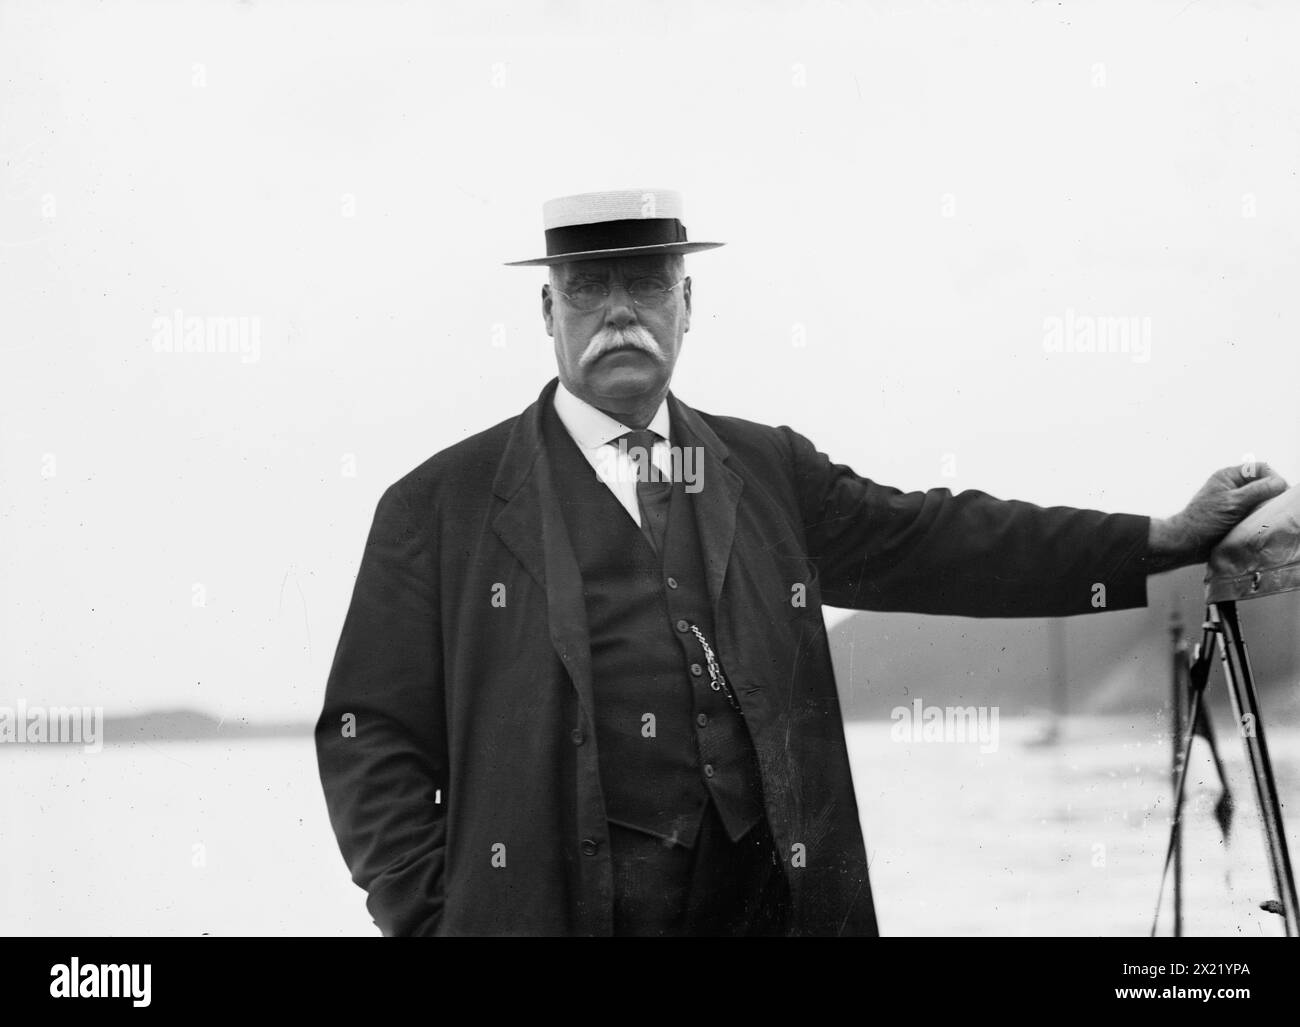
(1108, 663)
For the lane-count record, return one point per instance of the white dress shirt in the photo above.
(596, 434)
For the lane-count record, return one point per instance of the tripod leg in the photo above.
(1245, 701)
(1223, 809)
(1180, 687)
(1197, 676)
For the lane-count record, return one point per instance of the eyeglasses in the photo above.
(645, 292)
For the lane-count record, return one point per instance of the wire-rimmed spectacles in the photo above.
(647, 291)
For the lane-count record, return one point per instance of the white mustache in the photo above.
(613, 338)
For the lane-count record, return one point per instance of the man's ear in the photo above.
(686, 295)
(547, 301)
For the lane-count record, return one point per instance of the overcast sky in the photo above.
(920, 202)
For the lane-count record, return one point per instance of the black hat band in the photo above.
(613, 235)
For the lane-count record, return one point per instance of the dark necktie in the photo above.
(652, 494)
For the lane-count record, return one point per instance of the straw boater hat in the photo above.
(621, 223)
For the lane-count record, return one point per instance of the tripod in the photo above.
(1222, 628)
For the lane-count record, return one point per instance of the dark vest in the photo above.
(668, 742)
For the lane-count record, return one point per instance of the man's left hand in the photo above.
(1230, 494)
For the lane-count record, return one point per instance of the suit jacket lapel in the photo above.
(719, 495)
(531, 525)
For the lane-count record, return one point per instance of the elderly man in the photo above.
(584, 685)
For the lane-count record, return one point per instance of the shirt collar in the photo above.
(592, 428)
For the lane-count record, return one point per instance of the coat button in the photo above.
(672, 582)
(696, 669)
(683, 627)
(708, 770)
(590, 846)
(701, 719)
(576, 735)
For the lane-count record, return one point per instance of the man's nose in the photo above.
(619, 311)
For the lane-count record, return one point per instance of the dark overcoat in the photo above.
(456, 745)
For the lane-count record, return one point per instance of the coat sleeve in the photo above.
(381, 737)
(970, 554)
